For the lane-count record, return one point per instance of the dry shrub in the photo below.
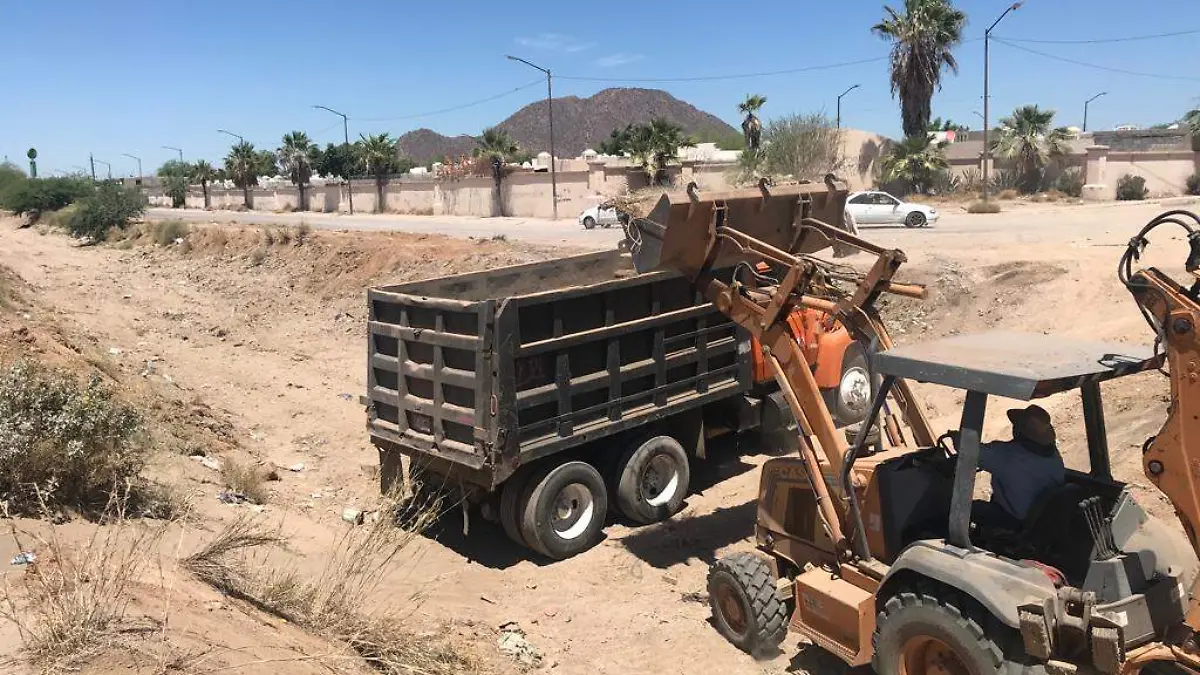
(65, 443)
(983, 207)
(71, 603)
(1008, 194)
(165, 232)
(334, 602)
(245, 479)
(258, 255)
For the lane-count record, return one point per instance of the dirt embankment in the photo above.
(236, 344)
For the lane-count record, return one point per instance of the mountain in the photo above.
(579, 123)
(426, 145)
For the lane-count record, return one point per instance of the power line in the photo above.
(1096, 66)
(452, 108)
(1100, 40)
(710, 78)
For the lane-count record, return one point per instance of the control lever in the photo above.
(1100, 526)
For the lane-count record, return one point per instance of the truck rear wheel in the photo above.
(652, 480)
(920, 632)
(565, 510)
(745, 605)
(512, 504)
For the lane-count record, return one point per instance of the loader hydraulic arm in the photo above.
(705, 238)
(1170, 457)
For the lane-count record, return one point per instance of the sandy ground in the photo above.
(274, 343)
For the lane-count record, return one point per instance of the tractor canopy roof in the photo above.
(1014, 365)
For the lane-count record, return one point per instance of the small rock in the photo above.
(670, 579)
(297, 467)
(24, 558)
(550, 612)
(487, 599)
(231, 497)
(115, 351)
(512, 642)
(272, 475)
(350, 515)
(344, 396)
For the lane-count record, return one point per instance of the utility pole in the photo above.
(987, 66)
(839, 104)
(346, 136)
(139, 161)
(550, 106)
(168, 147)
(92, 163)
(1085, 107)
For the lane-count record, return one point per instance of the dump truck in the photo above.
(873, 550)
(546, 392)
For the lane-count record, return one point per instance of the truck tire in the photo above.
(850, 402)
(652, 480)
(745, 605)
(512, 504)
(565, 510)
(919, 631)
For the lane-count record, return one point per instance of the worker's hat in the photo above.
(1033, 424)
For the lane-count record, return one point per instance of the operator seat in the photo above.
(1056, 530)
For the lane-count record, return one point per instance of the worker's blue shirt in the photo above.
(1019, 475)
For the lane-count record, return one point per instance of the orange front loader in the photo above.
(875, 551)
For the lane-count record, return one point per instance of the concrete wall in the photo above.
(1166, 171)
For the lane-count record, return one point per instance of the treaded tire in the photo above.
(589, 223)
(911, 615)
(745, 580)
(512, 504)
(545, 488)
(631, 499)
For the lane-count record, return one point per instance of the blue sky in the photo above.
(130, 76)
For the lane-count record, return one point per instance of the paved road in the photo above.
(1020, 221)
(533, 230)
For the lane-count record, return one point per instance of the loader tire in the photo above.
(746, 607)
(929, 630)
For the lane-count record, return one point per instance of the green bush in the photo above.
(1070, 182)
(10, 173)
(112, 205)
(1193, 184)
(983, 207)
(38, 195)
(1131, 188)
(63, 442)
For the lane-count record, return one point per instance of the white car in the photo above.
(881, 208)
(602, 215)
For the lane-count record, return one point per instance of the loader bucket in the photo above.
(675, 235)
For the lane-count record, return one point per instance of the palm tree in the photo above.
(916, 159)
(500, 148)
(923, 38)
(664, 139)
(378, 153)
(751, 126)
(296, 157)
(1029, 141)
(204, 172)
(241, 165)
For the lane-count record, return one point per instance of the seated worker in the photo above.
(1021, 469)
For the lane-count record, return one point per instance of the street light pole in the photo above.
(346, 136)
(839, 104)
(1085, 107)
(550, 107)
(105, 164)
(987, 66)
(230, 133)
(139, 161)
(171, 147)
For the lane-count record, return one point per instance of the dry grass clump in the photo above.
(335, 601)
(244, 479)
(71, 603)
(983, 207)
